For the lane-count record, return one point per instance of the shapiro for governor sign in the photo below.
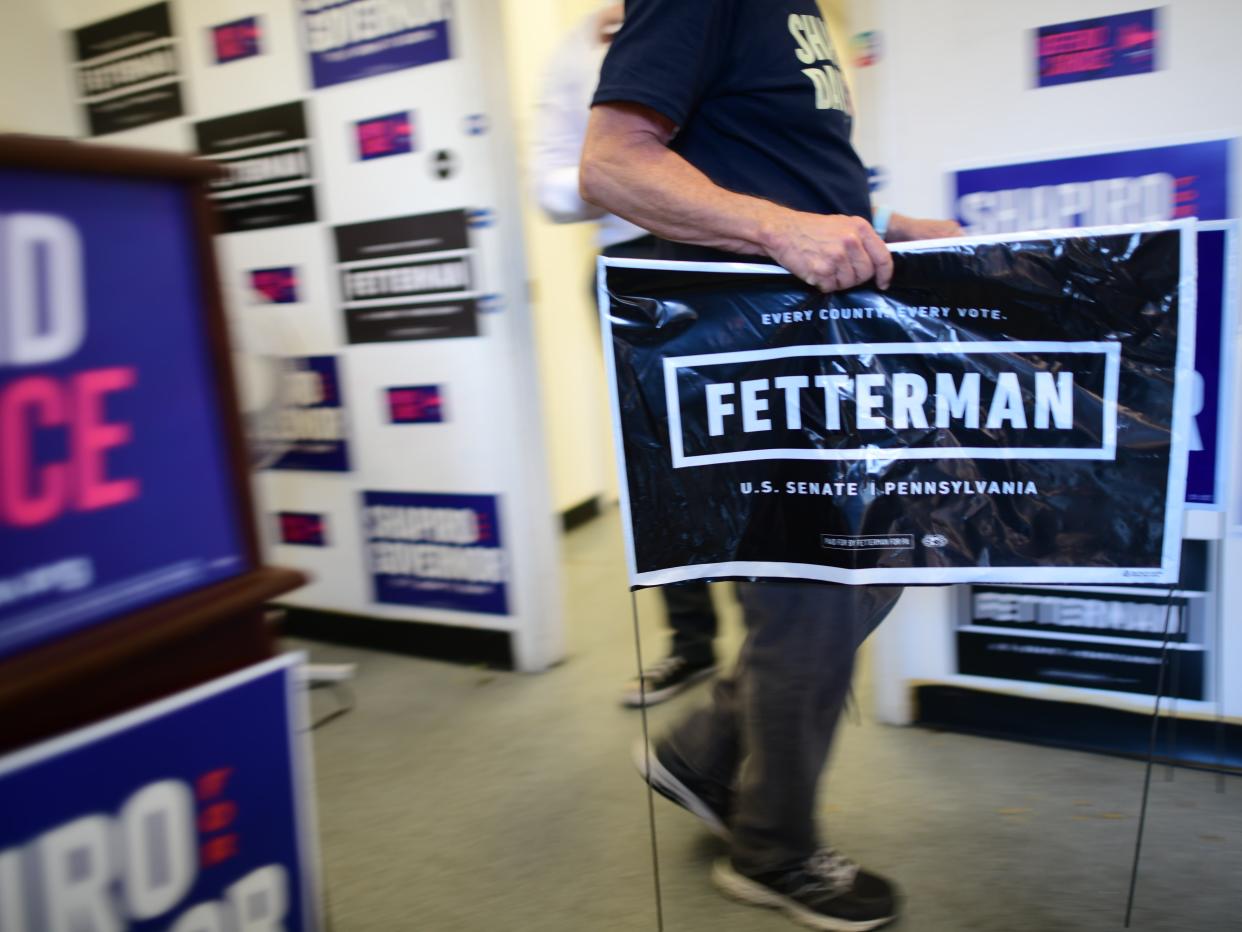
(1009, 410)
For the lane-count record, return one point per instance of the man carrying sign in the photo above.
(723, 128)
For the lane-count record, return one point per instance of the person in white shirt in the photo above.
(561, 124)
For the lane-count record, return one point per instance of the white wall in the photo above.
(36, 96)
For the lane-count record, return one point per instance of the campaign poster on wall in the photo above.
(382, 136)
(348, 40)
(1129, 186)
(302, 529)
(407, 278)
(1087, 640)
(415, 404)
(278, 285)
(436, 551)
(1103, 47)
(127, 70)
(190, 813)
(1008, 411)
(309, 432)
(241, 38)
(108, 407)
(267, 156)
(1138, 185)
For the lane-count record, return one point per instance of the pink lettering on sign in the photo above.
(93, 437)
(33, 492)
(1076, 62)
(30, 494)
(1105, 47)
(1135, 37)
(1076, 40)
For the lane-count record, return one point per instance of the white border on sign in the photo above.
(1108, 434)
(298, 693)
(1179, 451)
(1179, 454)
(299, 756)
(1224, 400)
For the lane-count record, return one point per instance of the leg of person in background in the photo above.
(749, 764)
(692, 657)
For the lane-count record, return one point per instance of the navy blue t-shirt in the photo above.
(756, 89)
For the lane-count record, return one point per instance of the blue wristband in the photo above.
(880, 218)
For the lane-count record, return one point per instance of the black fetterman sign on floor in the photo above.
(1009, 411)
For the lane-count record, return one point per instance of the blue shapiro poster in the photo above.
(1104, 47)
(115, 490)
(437, 551)
(190, 813)
(1135, 186)
(310, 430)
(348, 40)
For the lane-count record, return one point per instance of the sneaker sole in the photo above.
(662, 780)
(634, 700)
(744, 890)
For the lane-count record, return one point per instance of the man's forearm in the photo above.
(628, 169)
(648, 184)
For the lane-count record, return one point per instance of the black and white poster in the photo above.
(127, 70)
(407, 278)
(1010, 410)
(270, 180)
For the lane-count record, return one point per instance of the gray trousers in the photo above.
(770, 725)
(692, 619)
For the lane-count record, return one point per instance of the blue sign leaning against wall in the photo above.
(348, 40)
(189, 813)
(1133, 186)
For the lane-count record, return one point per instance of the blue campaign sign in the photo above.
(192, 813)
(115, 485)
(311, 431)
(348, 40)
(1104, 47)
(1132, 186)
(437, 551)
(1217, 301)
